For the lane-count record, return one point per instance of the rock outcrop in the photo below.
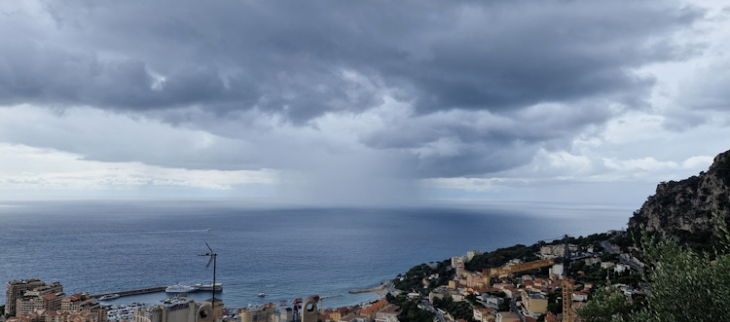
(683, 210)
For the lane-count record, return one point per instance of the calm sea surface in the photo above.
(99, 247)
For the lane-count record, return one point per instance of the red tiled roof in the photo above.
(75, 297)
(391, 309)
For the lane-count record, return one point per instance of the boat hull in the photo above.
(209, 287)
(109, 297)
(180, 289)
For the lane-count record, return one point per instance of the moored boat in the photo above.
(177, 288)
(109, 297)
(209, 287)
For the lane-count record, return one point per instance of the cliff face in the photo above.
(684, 210)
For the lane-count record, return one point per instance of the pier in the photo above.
(382, 288)
(138, 291)
(372, 289)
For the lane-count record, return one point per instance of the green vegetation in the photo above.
(685, 286)
(501, 256)
(555, 302)
(625, 241)
(609, 306)
(472, 299)
(459, 310)
(594, 239)
(413, 279)
(607, 257)
(409, 310)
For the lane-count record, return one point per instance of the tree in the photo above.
(685, 286)
(555, 303)
(608, 257)
(472, 298)
(411, 313)
(609, 306)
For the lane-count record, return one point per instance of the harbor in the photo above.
(155, 289)
(138, 291)
(155, 294)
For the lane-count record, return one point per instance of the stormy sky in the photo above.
(360, 102)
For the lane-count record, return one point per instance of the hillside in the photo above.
(683, 210)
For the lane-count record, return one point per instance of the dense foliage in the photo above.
(555, 303)
(410, 312)
(472, 299)
(413, 279)
(501, 256)
(685, 286)
(459, 310)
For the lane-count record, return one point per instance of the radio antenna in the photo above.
(213, 256)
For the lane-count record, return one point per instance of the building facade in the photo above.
(171, 310)
(29, 294)
(15, 290)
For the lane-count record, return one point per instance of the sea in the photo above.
(106, 246)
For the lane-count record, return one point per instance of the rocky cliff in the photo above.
(683, 210)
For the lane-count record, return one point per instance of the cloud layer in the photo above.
(359, 100)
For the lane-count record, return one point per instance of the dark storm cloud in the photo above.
(491, 82)
(460, 143)
(288, 57)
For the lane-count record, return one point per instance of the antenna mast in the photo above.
(213, 257)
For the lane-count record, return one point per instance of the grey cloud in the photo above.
(704, 98)
(460, 143)
(709, 90)
(491, 82)
(287, 57)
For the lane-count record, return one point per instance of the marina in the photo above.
(138, 291)
(117, 313)
(177, 288)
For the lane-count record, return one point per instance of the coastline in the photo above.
(381, 290)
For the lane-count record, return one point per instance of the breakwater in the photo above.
(378, 289)
(138, 291)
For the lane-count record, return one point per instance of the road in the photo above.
(427, 306)
(634, 265)
(608, 247)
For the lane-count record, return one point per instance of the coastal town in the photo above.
(528, 287)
